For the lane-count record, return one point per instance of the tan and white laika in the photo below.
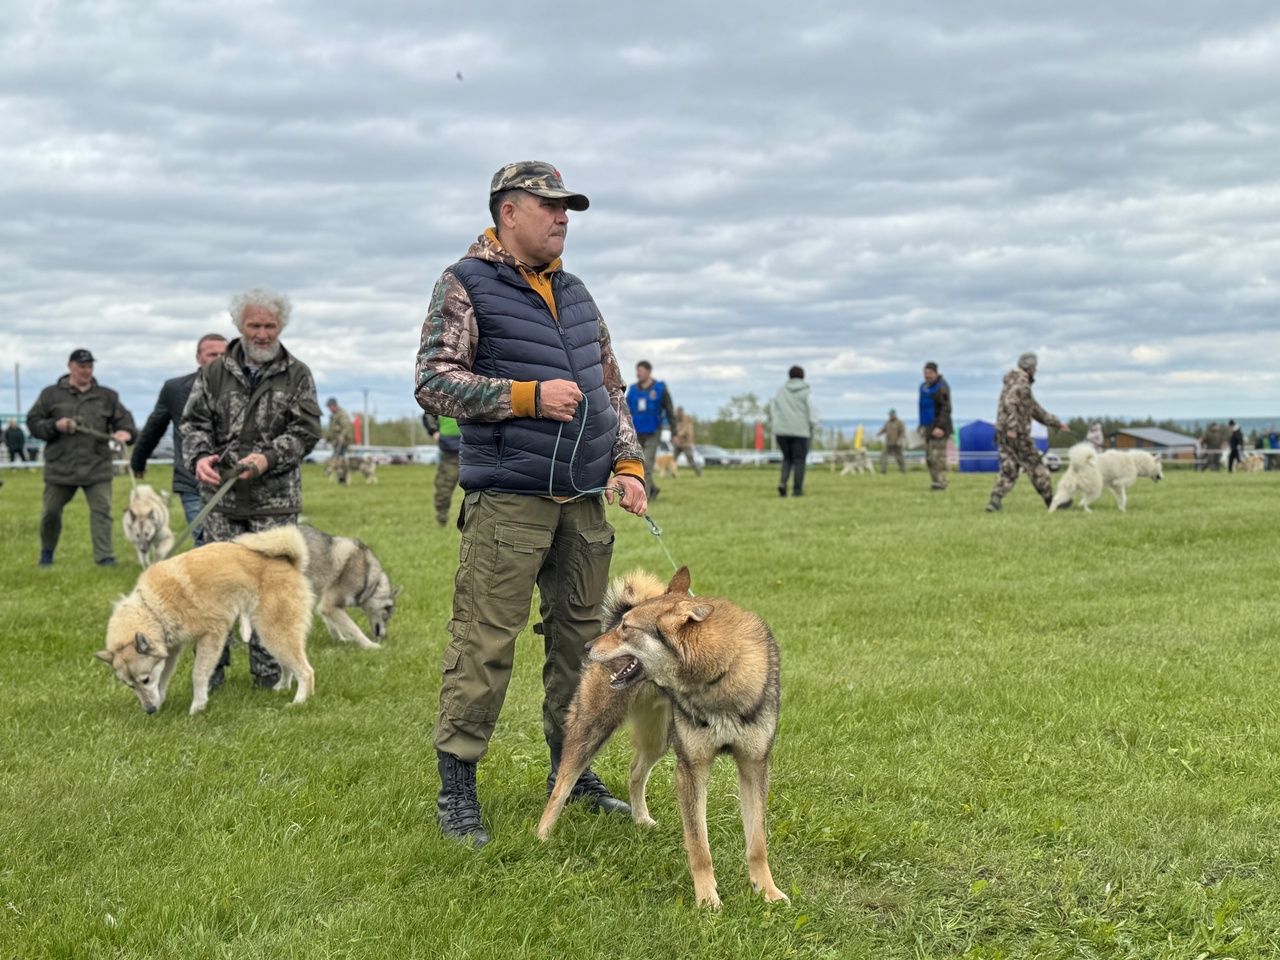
(698, 674)
(196, 597)
(146, 524)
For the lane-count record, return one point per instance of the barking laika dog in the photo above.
(146, 524)
(698, 674)
(196, 597)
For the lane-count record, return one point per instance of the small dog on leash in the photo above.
(196, 597)
(146, 524)
(698, 674)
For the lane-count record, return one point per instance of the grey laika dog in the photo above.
(343, 573)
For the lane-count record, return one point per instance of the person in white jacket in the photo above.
(794, 422)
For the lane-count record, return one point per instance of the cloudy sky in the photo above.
(856, 188)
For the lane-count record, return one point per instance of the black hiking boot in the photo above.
(591, 790)
(457, 807)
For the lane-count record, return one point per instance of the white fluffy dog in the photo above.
(1089, 472)
(146, 524)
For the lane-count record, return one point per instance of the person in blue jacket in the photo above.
(650, 403)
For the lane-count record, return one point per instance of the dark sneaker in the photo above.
(107, 562)
(591, 790)
(653, 497)
(457, 806)
(46, 558)
(797, 493)
(993, 506)
(782, 491)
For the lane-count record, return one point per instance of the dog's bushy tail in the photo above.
(285, 542)
(1082, 455)
(627, 591)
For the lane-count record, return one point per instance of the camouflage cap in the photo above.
(540, 179)
(1028, 361)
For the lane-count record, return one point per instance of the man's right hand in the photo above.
(206, 471)
(558, 399)
(937, 431)
(65, 425)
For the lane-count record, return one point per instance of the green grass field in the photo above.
(1012, 735)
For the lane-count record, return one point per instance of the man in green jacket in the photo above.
(78, 419)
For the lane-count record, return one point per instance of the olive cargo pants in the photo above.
(510, 542)
(57, 496)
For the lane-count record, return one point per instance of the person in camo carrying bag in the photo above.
(515, 348)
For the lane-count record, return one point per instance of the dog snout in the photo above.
(150, 707)
(586, 647)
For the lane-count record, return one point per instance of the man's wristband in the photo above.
(537, 399)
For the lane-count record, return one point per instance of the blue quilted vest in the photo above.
(520, 340)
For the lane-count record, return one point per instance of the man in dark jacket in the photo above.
(935, 424)
(168, 411)
(252, 413)
(15, 440)
(516, 350)
(78, 419)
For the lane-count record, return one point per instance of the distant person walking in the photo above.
(1236, 440)
(78, 418)
(448, 437)
(682, 443)
(341, 435)
(895, 435)
(1211, 447)
(935, 424)
(1018, 453)
(794, 422)
(650, 403)
(15, 440)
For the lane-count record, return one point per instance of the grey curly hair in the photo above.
(277, 303)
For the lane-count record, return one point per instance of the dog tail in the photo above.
(284, 542)
(626, 592)
(1082, 455)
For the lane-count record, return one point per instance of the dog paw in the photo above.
(775, 895)
(711, 901)
(646, 821)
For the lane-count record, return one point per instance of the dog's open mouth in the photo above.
(630, 672)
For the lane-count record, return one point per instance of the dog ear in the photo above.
(680, 582)
(141, 644)
(699, 612)
(104, 656)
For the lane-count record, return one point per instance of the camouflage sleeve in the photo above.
(286, 450)
(445, 384)
(1043, 416)
(197, 424)
(625, 446)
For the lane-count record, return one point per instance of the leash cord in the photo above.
(207, 509)
(573, 456)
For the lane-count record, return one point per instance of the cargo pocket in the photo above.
(594, 549)
(517, 555)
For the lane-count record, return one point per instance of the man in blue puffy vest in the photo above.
(650, 403)
(515, 349)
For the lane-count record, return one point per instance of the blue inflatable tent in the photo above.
(978, 447)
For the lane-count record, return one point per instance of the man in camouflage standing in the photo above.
(515, 348)
(1018, 452)
(252, 412)
(341, 434)
(448, 437)
(895, 435)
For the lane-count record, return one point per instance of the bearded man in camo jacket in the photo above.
(253, 412)
(1018, 453)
